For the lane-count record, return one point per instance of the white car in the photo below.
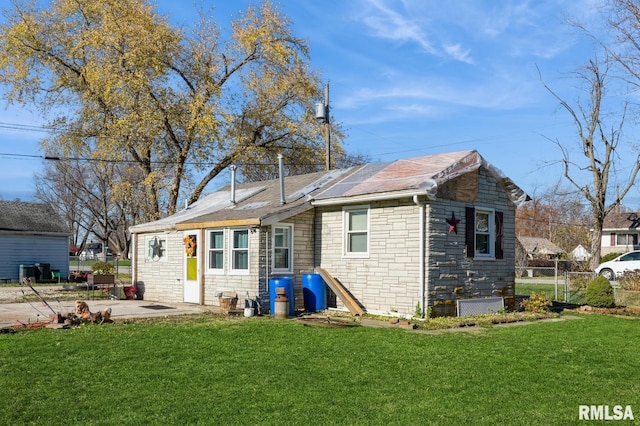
(616, 267)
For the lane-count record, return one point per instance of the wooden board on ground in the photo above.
(347, 298)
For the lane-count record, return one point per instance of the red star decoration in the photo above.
(453, 223)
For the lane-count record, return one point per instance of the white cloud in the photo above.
(456, 52)
(402, 26)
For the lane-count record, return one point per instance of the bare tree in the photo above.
(599, 144)
(558, 214)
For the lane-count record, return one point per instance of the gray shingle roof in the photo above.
(22, 216)
(536, 245)
(626, 220)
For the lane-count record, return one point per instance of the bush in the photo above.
(536, 303)
(630, 280)
(609, 256)
(102, 268)
(600, 293)
(579, 282)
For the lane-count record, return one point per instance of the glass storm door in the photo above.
(191, 268)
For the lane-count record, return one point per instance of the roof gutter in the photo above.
(373, 197)
(218, 224)
(40, 233)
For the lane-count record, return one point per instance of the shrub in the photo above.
(102, 268)
(579, 282)
(599, 293)
(609, 256)
(630, 280)
(536, 303)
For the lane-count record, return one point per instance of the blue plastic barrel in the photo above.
(314, 291)
(287, 283)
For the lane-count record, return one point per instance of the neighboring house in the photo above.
(620, 232)
(580, 253)
(540, 248)
(408, 236)
(33, 241)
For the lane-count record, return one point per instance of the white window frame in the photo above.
(209, 269)
(347, 233)
(490, 233)
(289, 228)
(233, 250)
(162, 240)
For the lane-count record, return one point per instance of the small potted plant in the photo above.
(102, 273)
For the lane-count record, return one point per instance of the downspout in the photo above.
(201, 267)
(424, 301)
(134, 260)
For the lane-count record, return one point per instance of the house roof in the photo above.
(621, 221)
(536, 245)
(255, 203)
(415, 176)
(22, 216)
(580, 251)
(259, 203)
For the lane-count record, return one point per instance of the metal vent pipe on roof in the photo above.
(233, 168)
(281, 174)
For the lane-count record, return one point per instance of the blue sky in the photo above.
(416, 77)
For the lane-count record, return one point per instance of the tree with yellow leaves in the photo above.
(119, 84)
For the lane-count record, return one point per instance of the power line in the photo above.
(111, 160)
(25, 127)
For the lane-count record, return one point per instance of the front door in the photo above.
(191, 268)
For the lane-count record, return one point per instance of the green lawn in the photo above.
(265, 371)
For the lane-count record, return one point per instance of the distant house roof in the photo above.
(539, 246)
(580, 253)
(622, 221)
(259, 203)
(22, 216)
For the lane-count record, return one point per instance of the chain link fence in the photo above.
(559, 286)
(570, 286)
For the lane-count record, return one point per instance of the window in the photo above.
(626, 239)
(630, 257)
(156, 248)
(356, 226)
(484, 233)
(240, 250)
(282, 248)
(216, 251)
(484, 228)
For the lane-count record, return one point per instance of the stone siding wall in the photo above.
(162, 280)
(388, 279)
(452, 275)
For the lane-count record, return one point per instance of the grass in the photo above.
(212, 370)
(575, 296)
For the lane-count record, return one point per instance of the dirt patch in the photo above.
(626, 311)
(20, 294)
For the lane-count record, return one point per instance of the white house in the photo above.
(408, 236)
